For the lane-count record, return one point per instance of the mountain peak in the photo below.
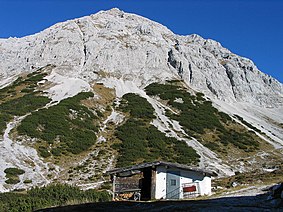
(115, 11)
(136, 48)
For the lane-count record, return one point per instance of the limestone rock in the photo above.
(127, 46)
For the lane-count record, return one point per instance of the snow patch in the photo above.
(268, 170)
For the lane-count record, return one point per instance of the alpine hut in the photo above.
(160, 180)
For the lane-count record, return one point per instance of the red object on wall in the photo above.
(190, 189)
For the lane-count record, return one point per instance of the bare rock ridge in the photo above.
(131, 47)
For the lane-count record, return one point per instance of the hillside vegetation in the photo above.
(215, 129)
(143, 142)
(21, 97)
(49, 196)
(12, 174)
(66, 127)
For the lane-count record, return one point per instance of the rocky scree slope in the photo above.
(113, 53)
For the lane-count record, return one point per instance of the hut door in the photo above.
(173, 185)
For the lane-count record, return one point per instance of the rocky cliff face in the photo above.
(134, 48)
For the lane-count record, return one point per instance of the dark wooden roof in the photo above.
(130, 170)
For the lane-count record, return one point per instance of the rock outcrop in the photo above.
(134, 48)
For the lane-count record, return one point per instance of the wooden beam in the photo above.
(114, 187)
(153, 184)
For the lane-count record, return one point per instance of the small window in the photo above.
(173, 182)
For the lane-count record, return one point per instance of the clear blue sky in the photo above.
(250, 28)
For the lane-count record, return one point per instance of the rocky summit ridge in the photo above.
(113, 53)
(134, 48)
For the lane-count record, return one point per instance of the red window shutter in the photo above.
(190, 189)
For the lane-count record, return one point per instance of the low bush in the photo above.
(69, 121)
(137, 106)
(24, 105)
(11, 106)
(197, 115)
(43, 152)
(241, 140)
(27, 181)
(4, 118)
(142, 142)
(12, 174)
(49, 196)
(12, 180)
(14, 171)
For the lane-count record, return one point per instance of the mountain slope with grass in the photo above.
(115, 89)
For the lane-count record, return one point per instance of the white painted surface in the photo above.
(203, 181)
(205, 186)
(160, 189)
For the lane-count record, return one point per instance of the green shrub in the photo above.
(27, 90)
(56, 151)
(24, 105)
(137, 106)
(241, 140)
(18, 81)
(4, 118)
(185, 154)
(49, 196)
(27, 181)
(12, 174)
(143, 142)
(76, 132)
(99, 113)
(43, 152)
(197, 115)
(35, 77)
(212, 145)
(14, 171)
(12, 181)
